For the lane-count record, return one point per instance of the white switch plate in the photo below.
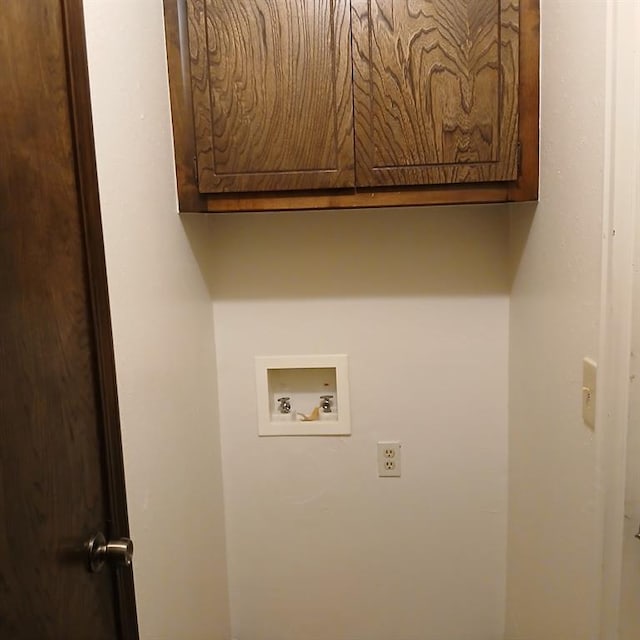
(589, 373)
(389, 459)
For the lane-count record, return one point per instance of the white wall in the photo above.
(628, 170)
(163, 333)
(318, 546)
(630, 583)
(553, 576)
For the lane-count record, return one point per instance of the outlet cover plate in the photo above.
(389, 459)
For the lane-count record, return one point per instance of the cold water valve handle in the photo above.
(284, 405)
(325, 403)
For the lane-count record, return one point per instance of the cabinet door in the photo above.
(272, 94)
(436, 91)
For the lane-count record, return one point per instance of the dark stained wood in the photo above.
(526, 186)
(58, 402)
(341, 199)
(523, 188)
(272, 99)
(435, 91)
(89, 199)
(184, 137)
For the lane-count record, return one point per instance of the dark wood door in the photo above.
(61, 475)
(272, 98)
(435, 91)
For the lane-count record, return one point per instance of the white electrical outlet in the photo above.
(389, 459)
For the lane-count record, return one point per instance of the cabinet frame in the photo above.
(190, 200)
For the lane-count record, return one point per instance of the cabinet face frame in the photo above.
(525, 188)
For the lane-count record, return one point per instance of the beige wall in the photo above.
(630, 613)
(163, 333)
(318, 546)
(628, 171)
(555, 304)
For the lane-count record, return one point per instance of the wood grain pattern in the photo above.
(436, 91)
(272, 96)
(100, 315)
(53, 482)
(176, 25)
(523, 188)
(526, 187)
(351, 199)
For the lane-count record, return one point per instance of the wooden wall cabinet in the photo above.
(305, 104)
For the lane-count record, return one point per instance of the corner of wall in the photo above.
(163, 333)
(553, 578)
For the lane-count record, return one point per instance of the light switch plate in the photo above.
(589, 374)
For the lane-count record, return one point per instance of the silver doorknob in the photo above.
(118, 552)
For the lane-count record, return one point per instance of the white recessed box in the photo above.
(316, 388)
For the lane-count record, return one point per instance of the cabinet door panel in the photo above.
(436, 91)
(272, 94)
